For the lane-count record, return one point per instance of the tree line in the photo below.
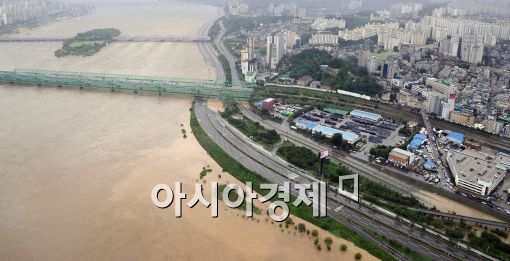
(339, 74)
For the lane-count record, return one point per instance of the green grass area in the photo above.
(226, 67)
(234, 46)
(253, 130)
(230, 165)
(214, 30)
(81, 43)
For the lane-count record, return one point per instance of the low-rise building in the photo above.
(476, 172)
(366, 115)
(268, 103)
(350, 137)
(455, 137)
(401, 157)
(417, 141)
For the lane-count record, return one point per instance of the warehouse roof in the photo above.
(456, 137)
(337, 111)
(366, 115)
(417, 141)
(348, 136)
(402, 152)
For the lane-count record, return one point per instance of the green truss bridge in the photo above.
(136, 84)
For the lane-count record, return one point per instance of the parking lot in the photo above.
(286, 110)
(382, 132)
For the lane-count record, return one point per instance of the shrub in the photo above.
(500, 233)
(328, 241)
(343, 247)
(315, 233)
(455, 233)
(357, 256)
(301, 227)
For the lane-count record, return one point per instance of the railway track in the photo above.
(271, 168)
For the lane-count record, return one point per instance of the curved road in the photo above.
(230, 58)
(209, 54)
(346, 211)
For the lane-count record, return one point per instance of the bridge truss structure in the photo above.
(134, 83)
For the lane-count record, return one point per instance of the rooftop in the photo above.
(417, 141)
(430, 165)
(473, 166)
(402, 152)
(348, 136)
(337, 111)
(382, 57)
(364, 114)
(456, 136)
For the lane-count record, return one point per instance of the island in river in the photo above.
(87, 43)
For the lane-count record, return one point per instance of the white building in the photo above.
(321, 24)
(324, 39)
(471, 50)
(275, 49)
(366, 31)
(245, 62)
(476, 172)
(292, 39)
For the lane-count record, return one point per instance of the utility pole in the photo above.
(322, 156)
(321, 175)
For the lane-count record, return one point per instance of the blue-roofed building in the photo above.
(417, 141)
(366, 115)
(430, 165)
(329, 132)
(456, 137)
